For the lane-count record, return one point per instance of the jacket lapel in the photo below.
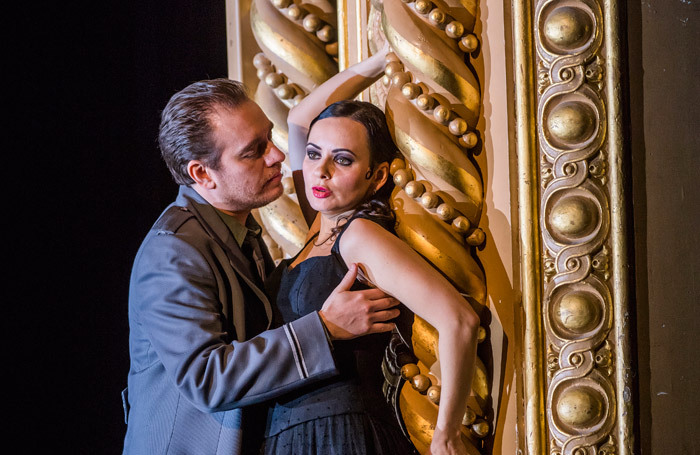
(220, 233)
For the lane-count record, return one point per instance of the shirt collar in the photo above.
(238, 230)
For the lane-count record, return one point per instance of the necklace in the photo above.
(332, 236)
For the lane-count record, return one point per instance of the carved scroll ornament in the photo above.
(577, 131)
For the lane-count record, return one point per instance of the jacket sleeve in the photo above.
(173, 297)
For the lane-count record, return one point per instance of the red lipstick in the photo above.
(321, 192)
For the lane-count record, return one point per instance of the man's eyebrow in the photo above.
(255, 141)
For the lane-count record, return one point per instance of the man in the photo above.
(202, 345)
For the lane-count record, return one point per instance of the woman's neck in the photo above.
(330, 222)
(322, 244)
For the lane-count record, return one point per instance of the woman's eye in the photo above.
(312, 154)
(343, 161)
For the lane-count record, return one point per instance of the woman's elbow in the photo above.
(465, 322)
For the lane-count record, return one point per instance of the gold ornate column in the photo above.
(432, 100)
(299, 48)
(576, 349)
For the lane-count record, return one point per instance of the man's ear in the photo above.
(200, 174)
(381, 174)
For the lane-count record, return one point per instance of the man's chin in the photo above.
(271, 195)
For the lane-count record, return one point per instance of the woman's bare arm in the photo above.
(343, 86)
(397, 269)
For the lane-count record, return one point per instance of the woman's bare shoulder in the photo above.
(363, 235)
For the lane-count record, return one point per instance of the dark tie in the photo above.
(251, 250)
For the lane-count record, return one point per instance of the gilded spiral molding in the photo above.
(299, 49)
(578, 305)
(432, 102)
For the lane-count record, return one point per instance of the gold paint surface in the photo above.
(289, 45)
(577, 311)
(567, 27)
(284, 221)
(624, 387)
(532, 412)
(581, 213)
(441, 249)
(419, 415)
(571, 122)
(407, 36)
(579, 407)
(456, 176)
(573, 216)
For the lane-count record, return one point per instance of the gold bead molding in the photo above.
(432, 104)
(299, 47)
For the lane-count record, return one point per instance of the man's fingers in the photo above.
(347, 281)
(373, 294)
(380, 327)
(383, 303)
(385, 315)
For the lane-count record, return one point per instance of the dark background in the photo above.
(85, 184)
(83, 88)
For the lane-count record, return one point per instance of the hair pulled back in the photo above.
(185, 132)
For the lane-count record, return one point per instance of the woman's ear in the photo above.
(381, 174)
(200, 174)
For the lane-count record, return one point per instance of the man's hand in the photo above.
(350, 314)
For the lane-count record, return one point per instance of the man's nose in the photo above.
(274, 155)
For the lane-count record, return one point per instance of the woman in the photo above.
(345, 168)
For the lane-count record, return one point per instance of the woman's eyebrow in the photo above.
(343, 150)
(334, 151)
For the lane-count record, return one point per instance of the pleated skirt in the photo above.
(345, 434)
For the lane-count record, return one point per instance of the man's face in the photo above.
(249, 171)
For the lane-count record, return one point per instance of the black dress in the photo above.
(343, 415)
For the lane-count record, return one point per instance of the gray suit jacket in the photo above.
(195, 364)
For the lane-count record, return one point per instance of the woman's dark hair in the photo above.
(185, 129)
(381, 150)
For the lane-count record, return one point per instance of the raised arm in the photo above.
(344, 85)
(398, 270)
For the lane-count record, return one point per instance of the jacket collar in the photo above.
(188, 197)
(203, 210)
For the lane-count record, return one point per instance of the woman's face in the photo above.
(336, 164)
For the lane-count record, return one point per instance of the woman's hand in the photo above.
(386, 48)
(447, 443)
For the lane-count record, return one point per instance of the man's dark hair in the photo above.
(185, 128)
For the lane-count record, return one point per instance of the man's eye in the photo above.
(343, 161)
(312, 154)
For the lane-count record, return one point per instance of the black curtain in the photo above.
(85, 182)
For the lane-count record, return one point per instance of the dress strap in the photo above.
(335, 250)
